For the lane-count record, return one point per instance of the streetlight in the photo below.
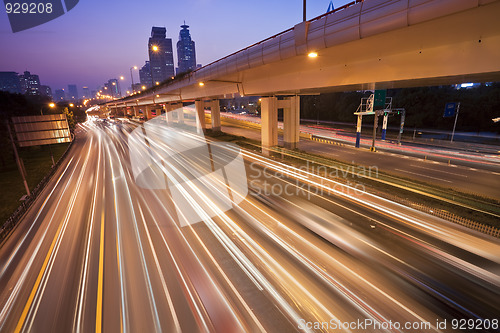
(154, 48)
(132, 77)
(51, 105)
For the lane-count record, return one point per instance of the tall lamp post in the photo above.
(132, 77)
(51, 105)
(154, 48)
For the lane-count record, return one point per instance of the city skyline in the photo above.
(86, 50)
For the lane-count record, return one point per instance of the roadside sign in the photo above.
(449, 110)
(41, 130)
(379, 98)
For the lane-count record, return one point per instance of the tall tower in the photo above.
(72, 92)
(161, 57)
(145, 75)
(186, 54)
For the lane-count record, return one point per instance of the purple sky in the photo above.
(100, 40)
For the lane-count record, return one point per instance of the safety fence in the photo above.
(446, 215)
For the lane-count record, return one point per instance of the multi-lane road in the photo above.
(97, 252)
(464, 174)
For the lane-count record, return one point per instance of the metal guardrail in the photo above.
(486, 229)
(14, 219)
(445, 215)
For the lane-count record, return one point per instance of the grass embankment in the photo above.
(37, 162)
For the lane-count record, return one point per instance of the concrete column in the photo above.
(384, 125)
(201, 124)
(168, 113)
(180, 113)
(215, 115)
(269, 121)
(148, 112)
(358, 130)
(291, 123)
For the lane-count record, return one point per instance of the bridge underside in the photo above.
(463, 47)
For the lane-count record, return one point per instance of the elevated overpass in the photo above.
(370, 44)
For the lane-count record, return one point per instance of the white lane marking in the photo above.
(420, 174)
(451, 173)
(77, 323)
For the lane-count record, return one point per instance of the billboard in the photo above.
(41, 130)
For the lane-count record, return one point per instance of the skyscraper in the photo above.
(114, 88)
(145, 75)
(186, 54)
(72, 92)
(9, 81)
(30, 83)
(86, 92)
(161, 56)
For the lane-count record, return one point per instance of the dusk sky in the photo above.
(100, 40)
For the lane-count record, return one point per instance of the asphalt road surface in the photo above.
(97, 252)
(405, 162)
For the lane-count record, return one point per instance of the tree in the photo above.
(70, 118)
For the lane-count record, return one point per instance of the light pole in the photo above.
(51, 105)
(132, 77)
(154, 48)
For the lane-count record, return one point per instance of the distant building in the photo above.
(72, 92)
(114, 88)
(45, 91)
(9, 81)
(186, 54)
(145, 75)
(59, 95)
(86, 93)
(30, 83)
(137, 86)
(161, 56)
(93, 93)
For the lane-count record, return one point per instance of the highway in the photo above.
(474, 177)
(97, 252)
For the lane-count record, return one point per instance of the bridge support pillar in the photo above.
(269, 121)
(291, 122)
(180, 112)
(168, 113)
(148, 112)
(215, 115)
(201, 124)
(358, 130)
